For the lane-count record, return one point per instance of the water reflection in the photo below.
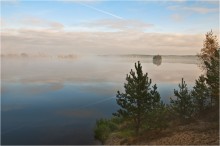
(57, 100)
(94, 69)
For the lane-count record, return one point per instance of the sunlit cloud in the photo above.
(120, 24)
(212, 2)
(202, 10)
(126, 42)
(34, 21)
(180, 0)
(30, 22)
(2, 23)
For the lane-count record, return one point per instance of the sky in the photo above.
(59, 27)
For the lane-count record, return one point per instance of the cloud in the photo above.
(120, 24)
(177, 17)
(201, 10)
(10, 2)
(38, 22)
(2, 23)
(124, 42)
(56, 25)
(180, 1)
(31, 23)
(210, 2)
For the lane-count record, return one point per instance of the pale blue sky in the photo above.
(145, 18)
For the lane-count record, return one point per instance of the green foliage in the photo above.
(103, 128)
(157, 118)
(182, 106)
(212, 77)
(139, 99)
(200, 95)
(210, 45)
(210, 63)
(125, 133)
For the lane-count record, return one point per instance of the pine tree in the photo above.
(182, 105)
(200, 95)
(210, 63)
(210, 45)
(212, 77)
(139, 99)
(157, 118)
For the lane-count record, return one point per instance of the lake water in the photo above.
(58, 100)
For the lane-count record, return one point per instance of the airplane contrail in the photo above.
(99, 10)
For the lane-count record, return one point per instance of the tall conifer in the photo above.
(200, 95)
(182, 105)
(139, 99)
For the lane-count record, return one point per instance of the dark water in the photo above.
(57, 101)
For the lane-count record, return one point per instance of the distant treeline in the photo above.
(186, 59)
(147, 56)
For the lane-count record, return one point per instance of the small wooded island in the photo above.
(157, 59)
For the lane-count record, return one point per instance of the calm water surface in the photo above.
(57, 101)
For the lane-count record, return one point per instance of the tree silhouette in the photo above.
(200, 94)
(182, 106)
(210, 45)
(212, 77)
(210, 63)
(139, 99)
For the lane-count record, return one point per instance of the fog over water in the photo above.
(56, 100)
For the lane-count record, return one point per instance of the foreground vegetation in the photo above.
(142, 112)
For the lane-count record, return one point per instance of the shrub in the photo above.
(103, 128)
